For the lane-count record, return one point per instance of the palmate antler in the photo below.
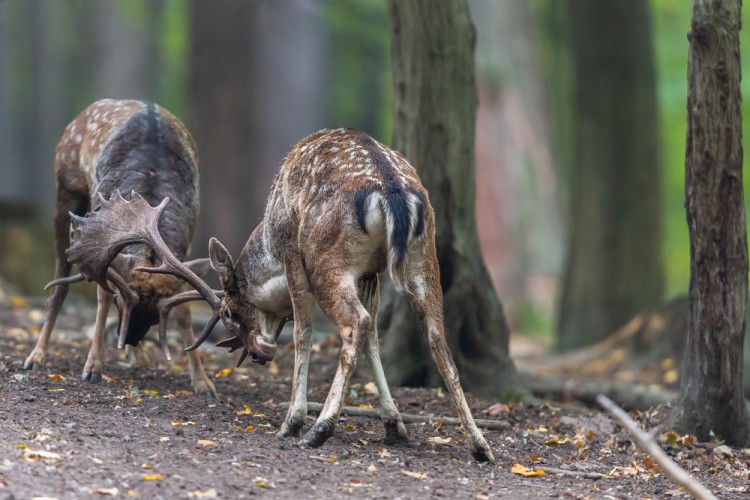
(116, 225)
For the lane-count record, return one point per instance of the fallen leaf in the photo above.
(273, 367)
(371, 389)
(364, 405)
(55, 376)
(415, 475)
(245, 409)
(48, 455)
(223, 373)
(261, 482)
(23, 447)
(97, 461)
(372, 470)
(104, 491)
(209, 493)
(671, 376)
(670, 438)
(525, 471)
(382, 452)
(332, 460)
(206, 442)
(147, 466)
(18, 302)
(151, 392)
(153, 477)
(439, 440)
(249, 428)
(496, 409)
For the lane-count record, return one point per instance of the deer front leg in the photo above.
(344, 308)
(369, 294)
(201, 383)
(92, 370)
(302, 304)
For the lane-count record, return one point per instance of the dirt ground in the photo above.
(141, 433)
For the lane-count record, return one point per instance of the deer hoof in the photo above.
(317, 435)
(34, 362)
(290, 428)
(92, 377)
(395, 432)
(482, 453)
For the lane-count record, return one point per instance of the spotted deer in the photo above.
(126, 146)
(342, 209)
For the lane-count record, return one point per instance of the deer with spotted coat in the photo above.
(342, 209)
(126, 146)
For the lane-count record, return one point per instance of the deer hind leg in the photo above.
(92, 370)
(302, 304)
(341, 304)
(201, 383)
(427, 301)
(65, 203)
(369, 295)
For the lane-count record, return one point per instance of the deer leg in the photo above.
(369, 295)
(201, 383)
(343, 307)
(92, 370)
(65, 204)
(429, 309)
(137, 356)
(302, 304)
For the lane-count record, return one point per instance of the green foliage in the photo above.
(360, 86)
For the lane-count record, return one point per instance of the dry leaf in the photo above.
(364, 405)
(370, 389)
(55, 377)
(382, 452)
(18, 302)
(249, 428)
(206, 442)
(525, 471)
(151, 392)
(260, 482)
(104, 491)
(153, 477)
(415, 475)
(209, 493)
(223, 373)
(147, 466)
(244, 411)
(273, 367)
(332, 460)
(439, 440)
(23, 447)
(496, 409)
(372, 470)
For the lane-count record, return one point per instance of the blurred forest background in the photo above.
(252, 78)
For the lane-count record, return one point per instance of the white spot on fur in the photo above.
(419, 288)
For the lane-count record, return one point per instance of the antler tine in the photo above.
(65, 281)
(166, 305)
(205, 333)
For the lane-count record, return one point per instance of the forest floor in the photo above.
(141, 433)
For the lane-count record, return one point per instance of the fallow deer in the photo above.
(342, 209)
(126, 145)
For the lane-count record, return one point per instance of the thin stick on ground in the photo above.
(574, 473)
(407, 417)
(671, 469)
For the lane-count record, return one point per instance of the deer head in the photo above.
(119, 223)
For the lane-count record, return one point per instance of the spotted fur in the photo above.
(126, 146)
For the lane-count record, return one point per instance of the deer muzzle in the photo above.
(261, 351)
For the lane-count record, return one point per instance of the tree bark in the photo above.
(435, 111)
(614, 266)
(712, 397)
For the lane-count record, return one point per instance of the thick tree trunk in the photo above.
(614, 267)
(436, 100)
(712, 397)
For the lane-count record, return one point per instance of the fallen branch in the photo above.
(574, 473)
(408, 418)
(637, 397)
(671, 469)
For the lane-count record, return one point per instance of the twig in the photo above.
(574, 473)
(677, 473)
(408, 418)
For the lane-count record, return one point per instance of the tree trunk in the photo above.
(614, 268)
(712, 398)
(221, 121)
(435, 101)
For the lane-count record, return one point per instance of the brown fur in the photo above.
(342, 209)
(124, 145)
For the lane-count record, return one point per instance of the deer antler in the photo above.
(118, 224)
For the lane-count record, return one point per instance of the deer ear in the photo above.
(199, 266)
(221, 262)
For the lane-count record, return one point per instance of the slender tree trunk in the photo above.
(614, 268)
(712, 398)
(436, 101)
